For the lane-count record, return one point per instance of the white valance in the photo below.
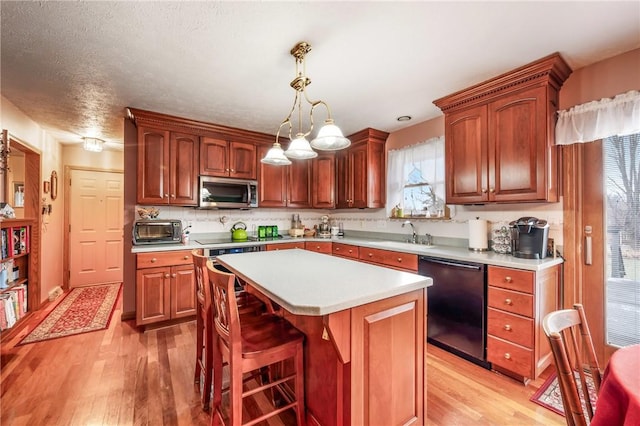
(601, 119)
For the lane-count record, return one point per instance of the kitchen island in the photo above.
(365, 329)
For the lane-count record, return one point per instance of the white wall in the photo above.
(31, 134)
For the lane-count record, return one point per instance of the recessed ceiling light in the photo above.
(404, 118)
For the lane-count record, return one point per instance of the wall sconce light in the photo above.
(93, 144)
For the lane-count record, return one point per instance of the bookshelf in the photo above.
(18, 297)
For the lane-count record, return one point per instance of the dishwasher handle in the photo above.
(453, 264)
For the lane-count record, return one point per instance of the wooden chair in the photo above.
(249, 306)
(569, 337)
(250, 347)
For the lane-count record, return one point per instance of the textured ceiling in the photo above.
(74, 67)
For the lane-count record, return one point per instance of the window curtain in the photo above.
(426, 156)
(618, 116)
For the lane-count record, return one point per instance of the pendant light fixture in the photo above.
(93, 144)
(329, 138)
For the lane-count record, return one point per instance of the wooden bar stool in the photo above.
(249, 346)
(249, 306)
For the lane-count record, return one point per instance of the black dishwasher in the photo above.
(457, 309)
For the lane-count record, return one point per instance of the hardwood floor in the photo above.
(121, 376)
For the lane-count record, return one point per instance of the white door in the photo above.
(96, 209)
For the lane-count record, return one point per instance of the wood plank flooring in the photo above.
(121, 376)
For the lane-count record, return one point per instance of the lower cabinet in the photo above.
(285, 246)
(165, 287)
(346, 250)
(517, 302)
(392, 259)
(318, 246)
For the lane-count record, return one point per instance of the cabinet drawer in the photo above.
(513, 279)
(346, 250)
(285, 246)
(509, 356)
(510, 301)
(390, 258)
(165, 258)
(318, 247)
(510, 327)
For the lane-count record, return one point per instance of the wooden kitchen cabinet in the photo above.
(319, 246)
(361, 171)
(499, 136)
(393, 259)
(286, 246)
(517, 301)
(224, 158)
(165, 287)
(167, 167)
(323, 181)
(346, 250)
(284, 186)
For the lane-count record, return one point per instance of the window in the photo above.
(415, 179)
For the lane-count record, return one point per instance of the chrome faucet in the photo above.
(414, 236)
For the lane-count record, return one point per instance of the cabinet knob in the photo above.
(174, 275)
(154, 260)
(233, 170)
(173, 195)
(226, 170)
(484, 190)
(370, 254)
(317, 247)
(399, 259)
(186, 257)
(337, 248)
(508, 302)
(166, 196)
(166, 275)
(492, 190)
(508, 279)
(507, 327)
(350, 251)
(507, 356)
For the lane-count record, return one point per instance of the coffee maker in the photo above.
(529, 237)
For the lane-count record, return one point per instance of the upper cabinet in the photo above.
(284, 186)
(227, 158)
(167, 167)
(360, 171)
(323, 181)
(499, 136)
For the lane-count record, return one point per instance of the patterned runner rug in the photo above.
(83, 309)
(549, 394)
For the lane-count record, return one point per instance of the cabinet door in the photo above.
(299, 184)
(183, 169)
(323, 181)
(466, 156)
(358, 160)
(153, 166)
(242, 160)
(183, 291)
(343, 180)
(272, 182)
(214, 155)
(518, 147)
(375, 172)
(152, 295)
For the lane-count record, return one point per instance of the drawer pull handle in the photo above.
(399, 259)
(350, 251)
(370, 254)
(507, 327)
(317, 247)
(508, 279)
(186, 257)
(154, 260)
(337, 248)
(507, 356)
(508, 302)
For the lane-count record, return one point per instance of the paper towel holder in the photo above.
(484, 244)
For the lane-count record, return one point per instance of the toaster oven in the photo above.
(157, 231)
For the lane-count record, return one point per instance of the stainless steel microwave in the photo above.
(157, 231)
(226, 193)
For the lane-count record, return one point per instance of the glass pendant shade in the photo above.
(299, 149)
(275, 156)
(330, 138)
(93, 144)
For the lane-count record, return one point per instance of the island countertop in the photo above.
(309, 283)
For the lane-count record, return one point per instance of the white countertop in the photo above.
(444, 252)
(309, 283)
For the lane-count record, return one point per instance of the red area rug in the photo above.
(83, 309)
(549, 395)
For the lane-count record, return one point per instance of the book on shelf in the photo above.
(13, 306)
(4, 241)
